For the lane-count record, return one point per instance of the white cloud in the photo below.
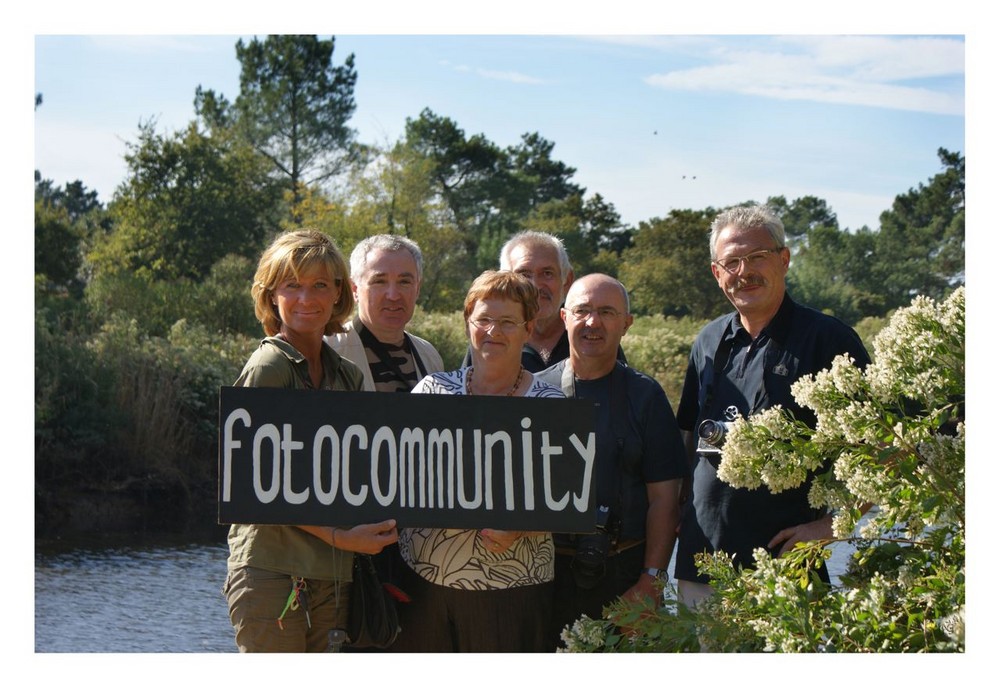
(513, 77)
(855, 70)
(886, 58)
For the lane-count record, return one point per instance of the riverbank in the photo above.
(133, 506)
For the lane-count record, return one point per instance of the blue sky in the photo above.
(651, 123)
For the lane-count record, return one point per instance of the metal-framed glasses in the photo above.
(753, 260)
(506, 325)
(605, 313)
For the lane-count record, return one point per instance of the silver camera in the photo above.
(712, 433)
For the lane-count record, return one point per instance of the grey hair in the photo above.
(533, 238)
(387, 243)
(743, 217)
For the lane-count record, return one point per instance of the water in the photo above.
(162, 597)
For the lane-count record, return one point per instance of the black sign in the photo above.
(297, 457)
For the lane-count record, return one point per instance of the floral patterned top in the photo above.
(456, 558)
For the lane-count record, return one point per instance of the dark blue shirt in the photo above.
(752, 374)
(652, 450)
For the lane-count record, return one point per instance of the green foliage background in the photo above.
(142, 306)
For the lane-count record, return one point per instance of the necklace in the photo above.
(517, 382)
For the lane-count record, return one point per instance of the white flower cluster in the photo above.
(585, 635)
(763, 452)
(954, 625)
(920, 354)
(879, 454)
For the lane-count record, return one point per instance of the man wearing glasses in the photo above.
(741, 364)
(640, 461)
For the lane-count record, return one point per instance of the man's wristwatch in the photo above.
(656, 573)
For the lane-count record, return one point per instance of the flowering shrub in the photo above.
(892, 438)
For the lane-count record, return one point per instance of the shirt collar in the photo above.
(776, 329)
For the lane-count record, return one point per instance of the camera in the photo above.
(712, 433)
(590, 560)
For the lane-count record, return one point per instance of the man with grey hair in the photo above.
(386, 270)
(741, 364)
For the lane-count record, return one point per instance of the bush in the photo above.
(118, 407)
(660, 347)
(446, 331)
(73, 399)
(891, 436)
(220, 303)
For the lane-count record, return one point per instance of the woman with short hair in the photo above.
(482, 590)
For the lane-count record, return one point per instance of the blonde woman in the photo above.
(288, 586)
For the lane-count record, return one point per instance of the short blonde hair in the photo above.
(503, 284)
(288, 256)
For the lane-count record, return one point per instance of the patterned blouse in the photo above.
(456, 558)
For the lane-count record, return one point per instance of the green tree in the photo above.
(803, 214)
(294, 106)
(467, 175)
(540, 177)
(57, 245)
(487, 193)
(66, 220)
(920, 247)
(394, 194)
(188, 199)
(667, 267)
(832, 271)
(591, 230)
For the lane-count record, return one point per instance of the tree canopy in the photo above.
(293, 107)
(188, 200)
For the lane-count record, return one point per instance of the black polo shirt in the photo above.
(752, 374)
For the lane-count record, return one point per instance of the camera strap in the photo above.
(619, 407)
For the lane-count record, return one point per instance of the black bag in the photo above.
(373, 620)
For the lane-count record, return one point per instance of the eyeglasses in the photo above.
(753, 260)
(506, 325)
(605, 313)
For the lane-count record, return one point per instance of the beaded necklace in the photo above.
(517, 382)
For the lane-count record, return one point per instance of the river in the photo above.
(160, 595)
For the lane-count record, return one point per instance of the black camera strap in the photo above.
(619, 404)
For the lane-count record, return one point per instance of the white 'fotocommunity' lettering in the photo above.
(430, 469)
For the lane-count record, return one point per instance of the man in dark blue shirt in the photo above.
(640, 460)
(743, 363)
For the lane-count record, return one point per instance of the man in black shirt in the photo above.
(640, 460)
(743, 363)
